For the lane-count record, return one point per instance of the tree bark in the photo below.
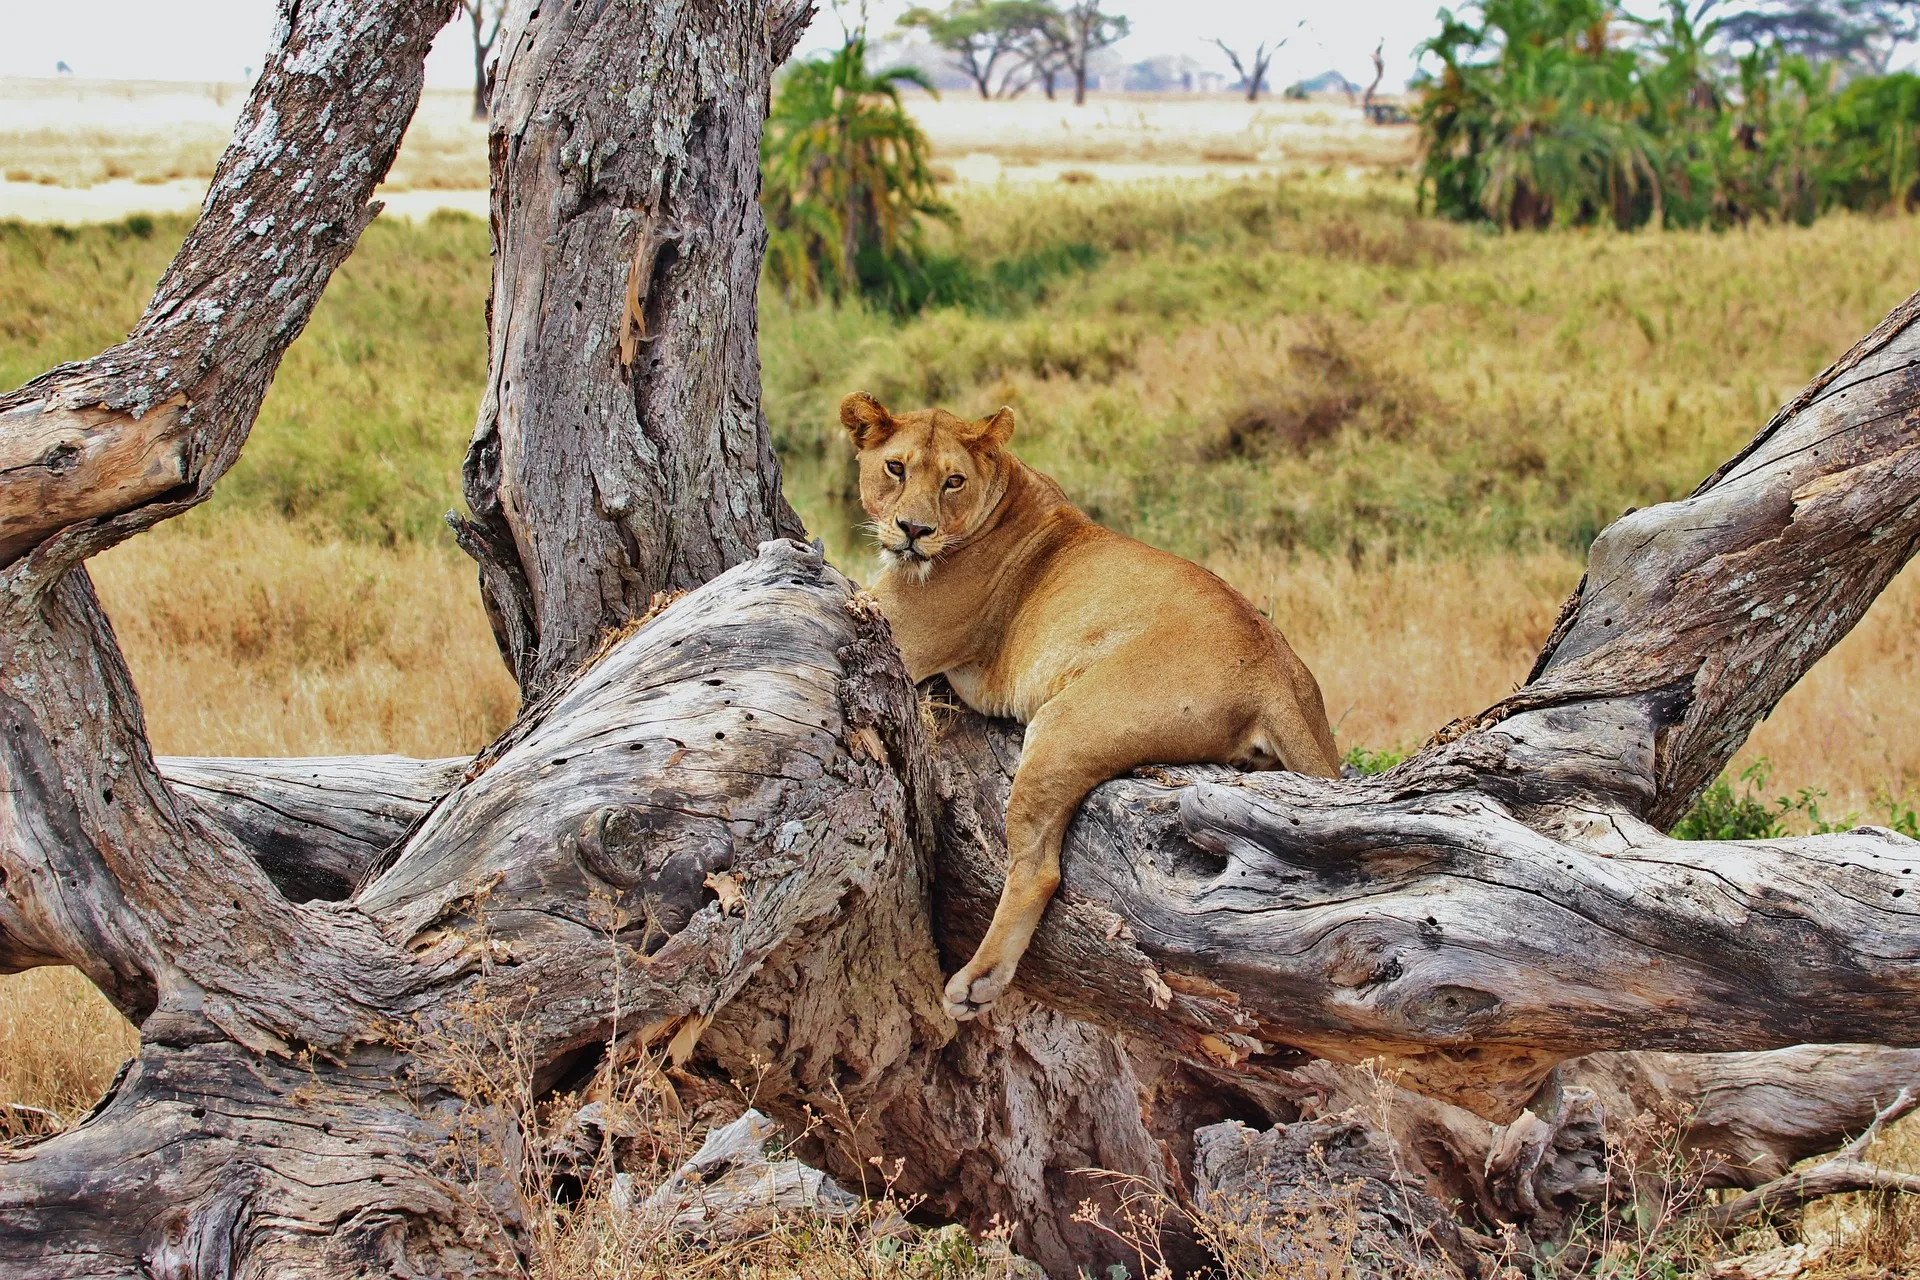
(621, 449)
(1747, 1116)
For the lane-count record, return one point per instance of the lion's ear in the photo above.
(993, 431)
(866, 419)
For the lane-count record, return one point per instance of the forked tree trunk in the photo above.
(290, 934)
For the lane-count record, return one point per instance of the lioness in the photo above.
(1112, 653)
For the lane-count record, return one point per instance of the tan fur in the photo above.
(1114, 654)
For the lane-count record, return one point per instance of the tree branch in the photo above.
(1695, 617)
(97, 451)
(1843, 1173)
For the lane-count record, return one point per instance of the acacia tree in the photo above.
(992, 41)
(1078, 32)
(1492, 918)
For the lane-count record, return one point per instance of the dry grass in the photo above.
(245, 638)
(1865, 1235)
(1402, 648)
(1161, 130)
(75, 133)
(511, 1147)
(60, 1043)
(78, 133)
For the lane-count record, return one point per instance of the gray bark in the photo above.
(621, 448)
(317, 827)
(1322, 1195)
(749, 687)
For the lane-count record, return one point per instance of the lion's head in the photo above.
(928, 479)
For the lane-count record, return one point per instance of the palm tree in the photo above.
(1532, 122)
(846, 176)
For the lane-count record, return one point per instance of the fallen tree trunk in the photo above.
(1747, 1117)
(725, 836)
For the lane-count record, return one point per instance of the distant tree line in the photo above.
(1550, 112)
(1007, 46)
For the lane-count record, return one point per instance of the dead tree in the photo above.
(286, 932)
(485, 16)
(1373, 85)
(1253, 72)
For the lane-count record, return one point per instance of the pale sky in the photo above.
(219, 39)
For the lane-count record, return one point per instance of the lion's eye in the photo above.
(954, 482)
(897, 470)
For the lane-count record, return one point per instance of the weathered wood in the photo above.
(1417, 919)
(730, 1190)
(1750, 1117)
(1695, 617)
(621, 449)
(316, 826)
(530, 893)
(1324, 1196)
(92, 844)
(1837, 1177)
(61, 465)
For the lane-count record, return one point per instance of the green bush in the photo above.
(1368, 762)
(846, 177)
(1540, 116)
(1720, 814)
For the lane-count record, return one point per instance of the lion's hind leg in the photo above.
(1292, 726)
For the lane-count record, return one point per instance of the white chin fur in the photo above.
(907, 562)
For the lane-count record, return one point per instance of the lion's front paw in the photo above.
(972, 991)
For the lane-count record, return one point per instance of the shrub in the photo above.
(846, 178)
(1542, 115)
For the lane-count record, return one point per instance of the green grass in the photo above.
(1211, 366)
(1721, 813)
(363, 430)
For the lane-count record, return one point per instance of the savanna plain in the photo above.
(1396, 435)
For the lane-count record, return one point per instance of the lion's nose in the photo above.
(913, 530)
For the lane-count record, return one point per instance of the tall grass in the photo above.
(1212, 366)
(362, 433)
(1278, 367)
(247, 637)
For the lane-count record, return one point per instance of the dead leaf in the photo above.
(1162, 993)
(727, 886)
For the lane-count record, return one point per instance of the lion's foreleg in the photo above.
(1066, 756)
